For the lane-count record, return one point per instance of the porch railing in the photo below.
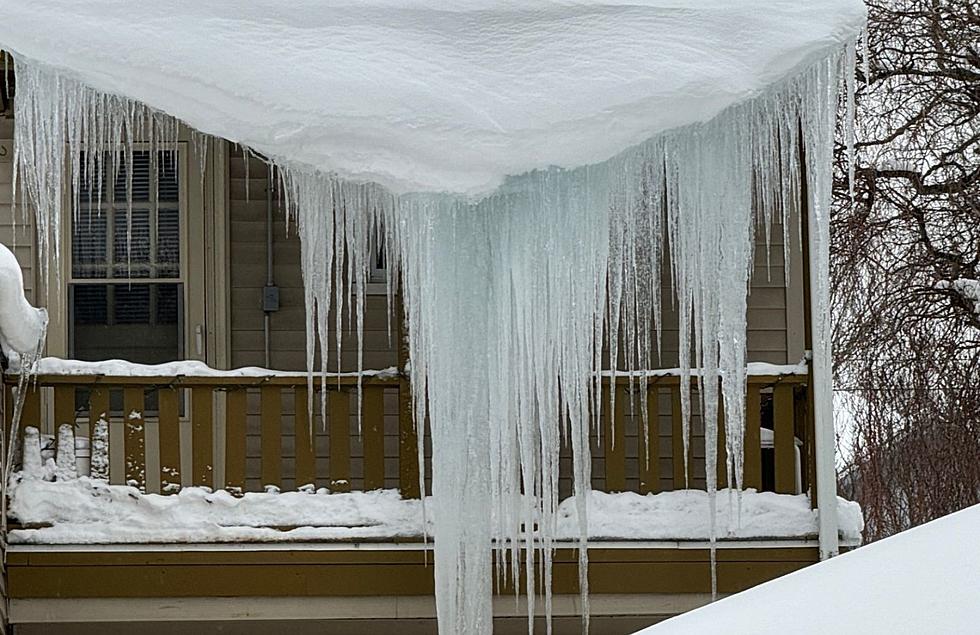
(258, 430)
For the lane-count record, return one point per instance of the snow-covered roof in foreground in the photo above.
(924, 580)
(418, 96)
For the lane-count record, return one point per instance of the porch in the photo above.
(249, 432)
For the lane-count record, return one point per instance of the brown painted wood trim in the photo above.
(303, 428)
(752, 468)
(372, 433)
(338, 426)
(134, 439)
(31, 414)
(648, 441)
(365, 573)
(783, 439)
(271, 434)
(64, 406)
(236, 424)
(614, 438)
(677, 439)
(202, 436)
(169, 434)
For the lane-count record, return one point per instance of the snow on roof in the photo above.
(924, 580)
(417, 96)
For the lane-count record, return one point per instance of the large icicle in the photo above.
(507, 298)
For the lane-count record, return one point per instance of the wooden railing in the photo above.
(259, 431)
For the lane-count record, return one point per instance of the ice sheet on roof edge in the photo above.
(595, 223)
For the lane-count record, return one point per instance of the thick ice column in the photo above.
(823, 405)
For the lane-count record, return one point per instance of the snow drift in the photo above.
(923, 580)
(525, 165)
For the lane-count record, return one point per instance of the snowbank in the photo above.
(427, 95)
(924, 580)
(22, 326)
(88, 511)
(683, 515)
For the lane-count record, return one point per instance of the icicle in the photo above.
(509, 299)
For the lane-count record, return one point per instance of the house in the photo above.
(223, 495)
(194, 284)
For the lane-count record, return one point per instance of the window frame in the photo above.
(182, 280)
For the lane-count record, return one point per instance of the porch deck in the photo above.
(245, 432)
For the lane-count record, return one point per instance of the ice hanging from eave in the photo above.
(508, 297)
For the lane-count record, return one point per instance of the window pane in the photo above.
(167, 303)
(140, 323)
(131, 304)
(140, 178)
(131, 243)
(167, 188)
(89, 304)
(88, 254)
(168, 243)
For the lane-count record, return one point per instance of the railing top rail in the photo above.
(286, 380)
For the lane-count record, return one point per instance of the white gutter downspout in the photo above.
(818, 226)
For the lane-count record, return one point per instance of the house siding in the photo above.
(16, 232)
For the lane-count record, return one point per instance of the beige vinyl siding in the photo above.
(16, 232)
(247, 274)
(247, 212)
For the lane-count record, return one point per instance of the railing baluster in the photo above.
(236, 424)
(64, 406)
(271, 419)
(648, 443)
(202, 436)
(339, 430)
(752, 473)
(372, 432)
(134, 441)
(408, 462)
(677, 437)
(31, 415)
(169, 433)
(783, 441)
(613, 437)
(305, 450)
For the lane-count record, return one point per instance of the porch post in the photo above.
(818, 256)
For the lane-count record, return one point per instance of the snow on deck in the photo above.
(924, 580)
(424, 95)
(88, 511)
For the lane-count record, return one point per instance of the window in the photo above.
(126, 288)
